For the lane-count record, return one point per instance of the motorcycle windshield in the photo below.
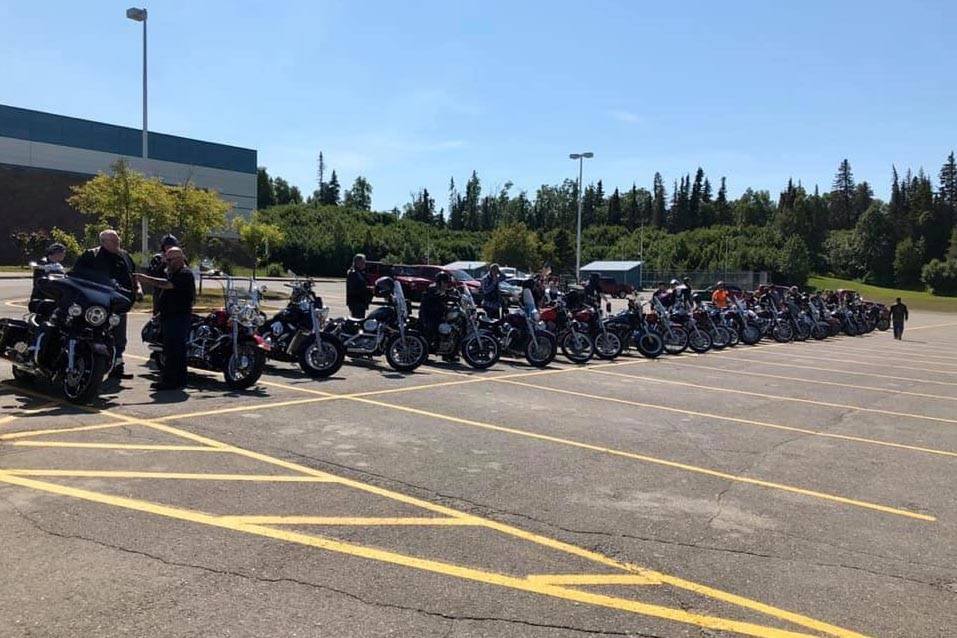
(87, 288)
(400, 304)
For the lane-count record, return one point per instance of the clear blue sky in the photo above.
(411, 93)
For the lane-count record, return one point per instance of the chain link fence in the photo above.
(746, 279)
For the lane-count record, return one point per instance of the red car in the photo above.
(415, 279)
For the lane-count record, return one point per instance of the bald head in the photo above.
(110, 240)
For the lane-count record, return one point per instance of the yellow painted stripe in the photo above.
(651, 459)
(888, 356)
(116, 446)
(750, 373)
(348, 520)
(185, 476)
(857, 373)
(778, 397)
(890, 365)
(593, 579)
(81, 428)
(447, 569)
(938, 325)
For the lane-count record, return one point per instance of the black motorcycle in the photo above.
(225, 340)
(523, 333)
(68, 339)
(633, 329)
(294, 334)
(460, 331)
(385, 331)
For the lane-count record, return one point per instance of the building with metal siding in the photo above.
(42, 155)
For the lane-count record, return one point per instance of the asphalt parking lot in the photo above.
(780, 490)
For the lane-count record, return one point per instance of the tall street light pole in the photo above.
(581, 157)
(139, 15)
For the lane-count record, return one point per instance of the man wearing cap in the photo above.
(157, 265)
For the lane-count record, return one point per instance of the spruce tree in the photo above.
(722, 209)
(659, 202)
(842, 197)
(614, 209)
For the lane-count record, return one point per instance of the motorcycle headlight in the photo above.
(74, 310)
(96, 315)
(114, 321)
(304, 305)
(370, 325)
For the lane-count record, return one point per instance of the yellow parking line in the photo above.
(887, 364)
(850, 372)
(939, 325)
(936, 360)
(735, 372)
(116, 446)
(467, 573)
(762, 424)
(184, 476)
(778, 397)
(593, 579)
(878, 359)
(349, 520)
(79, 428)
(648, 459)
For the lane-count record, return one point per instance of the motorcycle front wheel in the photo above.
(733, 337)
(801, 332)
(750, 335)
(820, 331)
(541, 350)
(782, 333)
(576, 347)
(676, 340)
(649, 344)
(321, 356)
(700, 341)
(720, 337)
(481, 351)
(407, 353)
(608, 345)
(83, 384)
(244, 367)
(883, 324)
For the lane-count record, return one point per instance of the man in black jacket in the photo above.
(357, 289)
(899, 315)
(175, 307)
(157, 266)
(110, 261)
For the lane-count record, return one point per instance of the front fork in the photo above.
(71, 356)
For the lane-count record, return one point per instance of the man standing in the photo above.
(112, 262)
(175, 307)
(720, 296)
(491, 295)
(898, 317)
(157, 267)
(357, 289)
(49, 263)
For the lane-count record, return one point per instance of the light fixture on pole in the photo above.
(139, 15)
(581, 157)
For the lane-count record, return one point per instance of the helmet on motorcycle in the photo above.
(443, 277)
(384, 286)
(675, 282)
(720, 284)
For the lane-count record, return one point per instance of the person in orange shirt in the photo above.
(720, 296)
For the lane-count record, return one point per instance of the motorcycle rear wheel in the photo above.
(649, 344)
(577, 347)
(407, 353)
(883, 324)
(735, 338)
(676, 340)
(321, 356)
(542, 354)
(481, 351)
(700, 341)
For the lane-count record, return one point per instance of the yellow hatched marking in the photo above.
(116, 446)
(477, 575)
(858, 373)
(594, 579)
(777, 397)
(185, 476)
(767, 375)
(348, 520)
(651, 459)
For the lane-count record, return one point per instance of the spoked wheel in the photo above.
(720, 337)
(407, 353)
(244, 367)
(699, 341)
(321, 356)
(576, 347)
(541, 350)
(750, 334)
(782, 333)
(82, 385)
(649, 344)
(676, 340)
(481, 351)
(608, 345)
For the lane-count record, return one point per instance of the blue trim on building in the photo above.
(36, 126)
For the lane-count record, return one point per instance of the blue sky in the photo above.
(412, 93)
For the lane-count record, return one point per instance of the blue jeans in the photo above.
(898, 329)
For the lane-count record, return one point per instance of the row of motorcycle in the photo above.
(68, 337)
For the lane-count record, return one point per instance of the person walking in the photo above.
(357, 289)
(110, 261)
(898, 317)
(491, 295)
(175, 308)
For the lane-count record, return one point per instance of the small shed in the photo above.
(475, 268)
(624, 272)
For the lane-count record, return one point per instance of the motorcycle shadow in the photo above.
(38, 399)
(198, 381)
(295, 374)
(372, 364)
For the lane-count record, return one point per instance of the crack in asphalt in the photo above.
(481, 508)
(452, 618)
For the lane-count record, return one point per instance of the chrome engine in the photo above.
(201, 340)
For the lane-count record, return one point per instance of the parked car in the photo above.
(415, 279)
(611, 287)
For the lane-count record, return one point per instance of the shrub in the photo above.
(940, 276)
(226, 267)
(274, 270)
